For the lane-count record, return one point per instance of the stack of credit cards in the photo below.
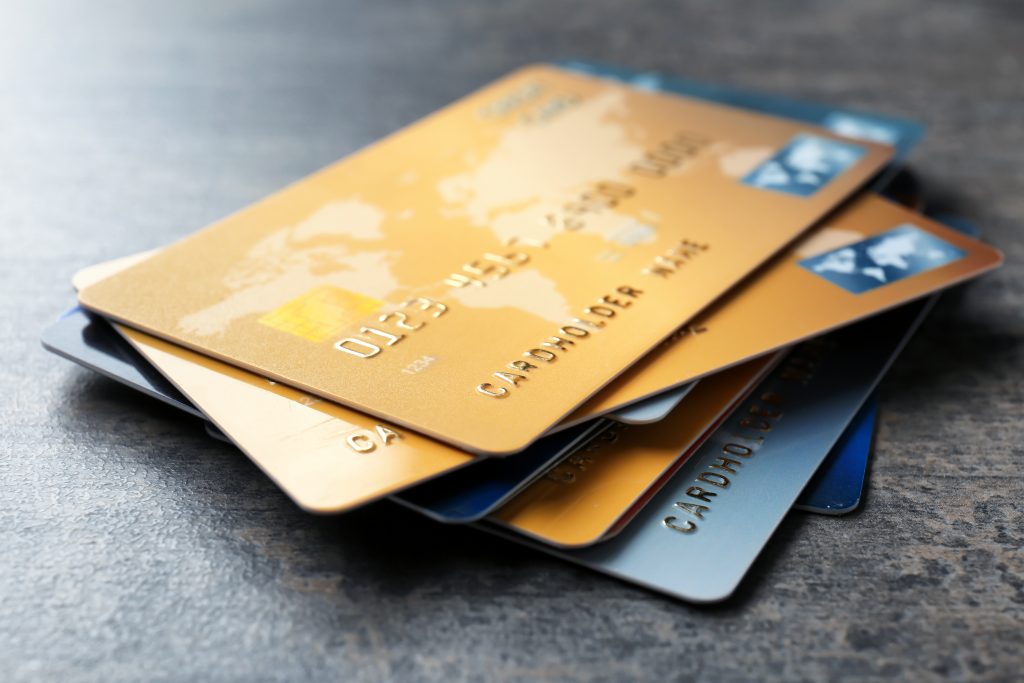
(625, 319)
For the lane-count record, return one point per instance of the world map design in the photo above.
(349, 244)
(804, 166)
(899, 253)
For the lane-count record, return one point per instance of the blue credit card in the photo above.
(698, 536)
(902, 134)
(837, 487)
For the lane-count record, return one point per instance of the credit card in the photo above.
(454, 278)
(867, 257)
(653, 409)
(584, 497)
(472, 493)
(837, 485)
(902, 134)
(699, 535)
(89, 340)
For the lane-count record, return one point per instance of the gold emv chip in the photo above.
(320, 313)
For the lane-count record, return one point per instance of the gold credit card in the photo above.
(586, 497)
(869, 256)
(481, 273)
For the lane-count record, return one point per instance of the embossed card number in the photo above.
(368, 346)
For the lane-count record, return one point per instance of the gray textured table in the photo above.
(134, 547)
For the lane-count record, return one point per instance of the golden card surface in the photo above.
(584, 498)
(867, 257)
(481, 273)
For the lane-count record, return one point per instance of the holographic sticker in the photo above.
(879, 260)
(804, 166)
